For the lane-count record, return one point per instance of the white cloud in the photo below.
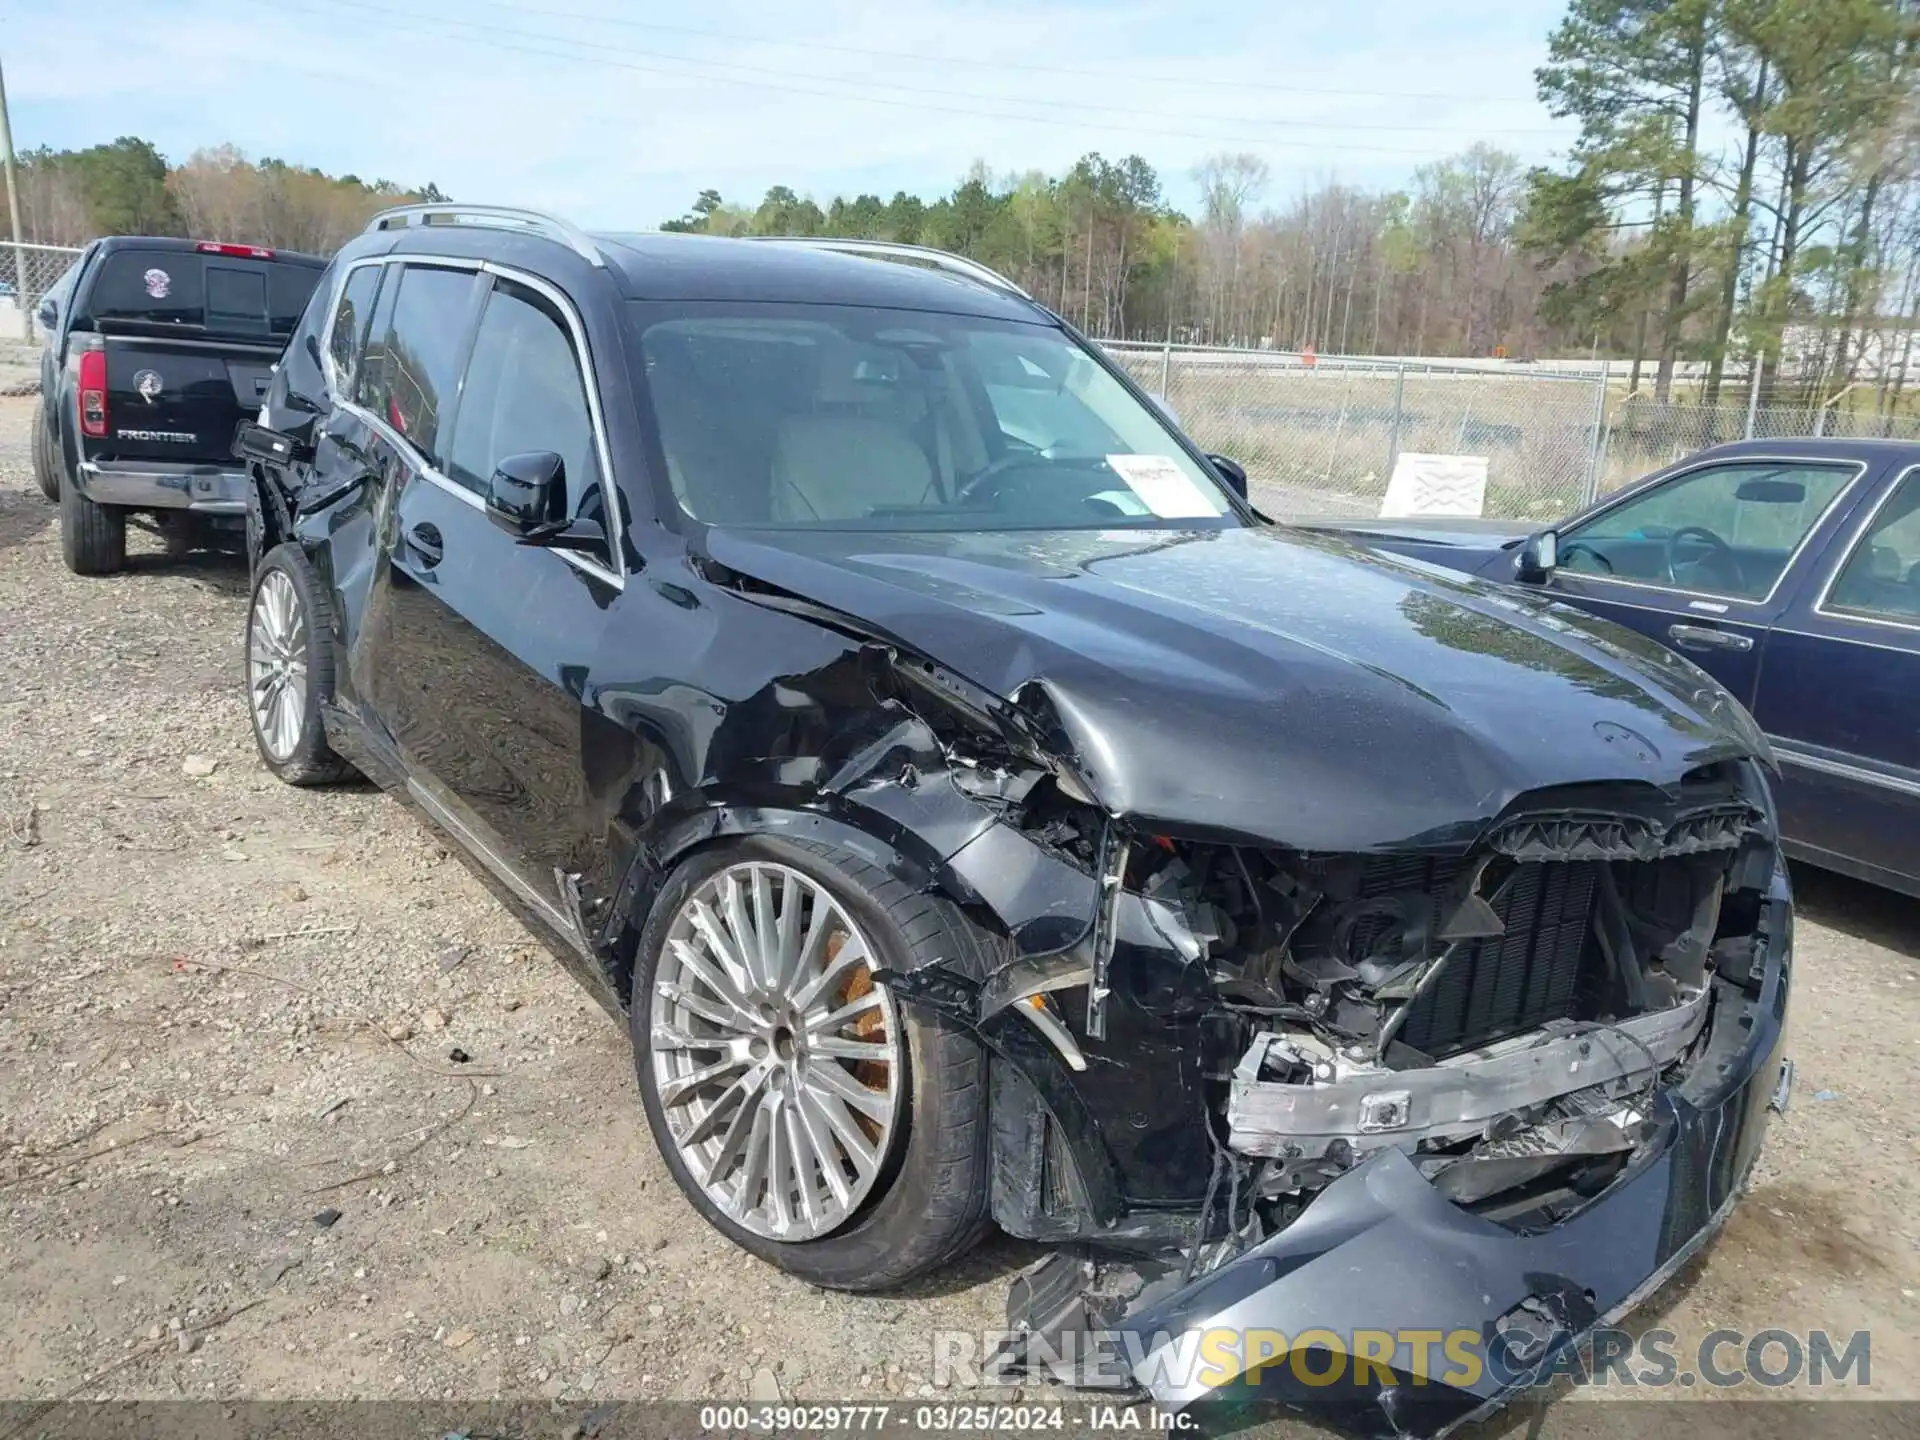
(598, 119)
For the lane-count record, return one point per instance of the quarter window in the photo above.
(1881, 578)
(1722, 530)
(349, 334)
(525, 392)
(413, 360)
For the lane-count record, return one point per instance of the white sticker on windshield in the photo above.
(1160, 482)
(158, 283)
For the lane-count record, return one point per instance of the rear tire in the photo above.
(93, 537)
(289, 669)
(928, 1201)
(46, 473)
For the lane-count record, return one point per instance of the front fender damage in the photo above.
(1449, 1085)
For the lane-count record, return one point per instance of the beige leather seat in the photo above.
(841, 467)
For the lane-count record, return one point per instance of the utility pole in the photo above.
(13, 214)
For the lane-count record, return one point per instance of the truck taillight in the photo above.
(245, 252)
(93, 393)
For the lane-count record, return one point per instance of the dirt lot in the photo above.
(227, 1007)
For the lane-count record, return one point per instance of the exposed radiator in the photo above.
(1513, 983)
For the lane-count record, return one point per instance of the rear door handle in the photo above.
(425, 542)
(1704, 637)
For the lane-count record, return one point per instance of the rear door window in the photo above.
(347, 338)
(413, 352)
(1881, 579)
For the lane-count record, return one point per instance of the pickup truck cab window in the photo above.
(1723, 530)
(1881, 578)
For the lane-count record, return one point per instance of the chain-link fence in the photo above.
(26, 273)
(1320, 437)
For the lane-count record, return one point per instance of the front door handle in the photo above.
(1705, 637)
(425, 542)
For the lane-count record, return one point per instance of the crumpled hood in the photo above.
(1276, 684)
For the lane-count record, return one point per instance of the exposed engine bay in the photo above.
(1503, 1016)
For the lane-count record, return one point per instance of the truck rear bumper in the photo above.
(160, 485)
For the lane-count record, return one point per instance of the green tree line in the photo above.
(1745, 185)
(127, 187)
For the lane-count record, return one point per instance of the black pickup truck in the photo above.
(157, 348)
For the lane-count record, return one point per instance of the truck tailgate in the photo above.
(180, 400)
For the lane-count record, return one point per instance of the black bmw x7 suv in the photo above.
(978, 813)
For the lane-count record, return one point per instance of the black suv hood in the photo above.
(1273, 685)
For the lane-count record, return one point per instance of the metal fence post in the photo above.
(1399, 409)
(1597, 454)
(1166, 364)
(1753, 393)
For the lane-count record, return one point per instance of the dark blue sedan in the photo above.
(1789, 569)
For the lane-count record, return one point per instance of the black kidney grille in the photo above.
(1518, 981)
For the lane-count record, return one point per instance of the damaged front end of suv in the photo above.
(1346, 1034)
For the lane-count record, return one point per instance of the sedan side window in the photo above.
(525, 392)
(1881, 579)
(1722, 530)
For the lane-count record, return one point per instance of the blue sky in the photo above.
(617, 112)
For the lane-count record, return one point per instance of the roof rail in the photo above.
(894, 250)
(497, 217)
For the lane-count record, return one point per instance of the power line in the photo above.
(1209, 83)
(434, 25)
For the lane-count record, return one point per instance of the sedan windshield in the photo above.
(859, 418)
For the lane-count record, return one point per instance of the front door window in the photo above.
(1724, 530)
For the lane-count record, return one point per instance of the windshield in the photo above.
(856, 418)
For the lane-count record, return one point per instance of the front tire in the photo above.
(807, 1116)
(45, 473)
(289, 665)
(93, 537)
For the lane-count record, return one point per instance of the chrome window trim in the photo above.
(1858, 539)
(1807, 761)
(583, 356)
(1793, 558)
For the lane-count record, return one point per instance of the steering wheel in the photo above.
(984, 484)
(1581, 547)
(1698, 532)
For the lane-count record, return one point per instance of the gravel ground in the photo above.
(228, 1007)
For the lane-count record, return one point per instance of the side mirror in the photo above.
(1539, 556)
(48, 314)
(528, 494)
(527, 498)
(1232, 472)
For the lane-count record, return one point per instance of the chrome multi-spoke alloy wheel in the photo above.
(277, 664)
(776, 1059)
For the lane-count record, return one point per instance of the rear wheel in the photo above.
(93, 537)
(290, 669)
(45, 473)
(807, 1116)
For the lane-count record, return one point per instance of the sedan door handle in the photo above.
(1703, 637)
(424, 540)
